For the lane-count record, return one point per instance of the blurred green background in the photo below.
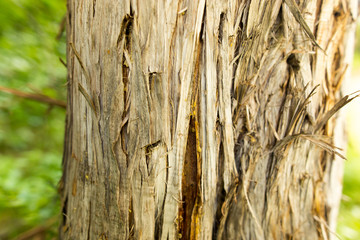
(349, 217)
(31, 133)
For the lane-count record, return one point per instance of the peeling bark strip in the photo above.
(202, 119)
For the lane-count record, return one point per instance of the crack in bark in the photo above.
(189, 183)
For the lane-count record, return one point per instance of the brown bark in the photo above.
(202, 119)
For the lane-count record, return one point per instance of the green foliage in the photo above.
(349, 218)
(31, 133)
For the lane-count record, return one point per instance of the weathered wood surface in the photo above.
(202, 120)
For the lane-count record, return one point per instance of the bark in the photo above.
(203, 119)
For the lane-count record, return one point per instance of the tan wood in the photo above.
(205, 119)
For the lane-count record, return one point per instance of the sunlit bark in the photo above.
(204, 119)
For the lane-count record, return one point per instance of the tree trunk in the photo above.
(203, 119)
